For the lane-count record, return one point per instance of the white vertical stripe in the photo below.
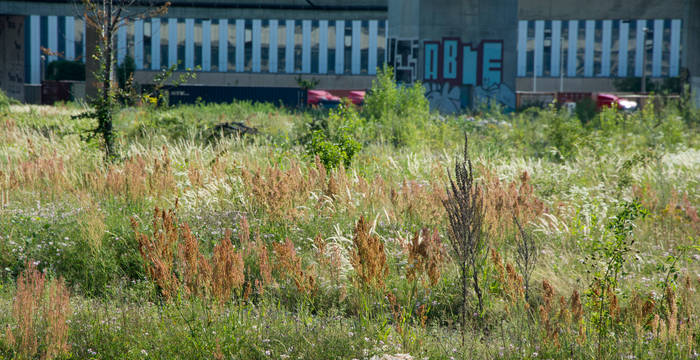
(34, 49)
(339, 46)
(274, 50)
(257, 30)
(622, 55)
(372, 53)
(306, 46)
(323, 47)
(189, 43)
(289, 47)
(675, 47)
(70, 38)
(223, 45)
(539, 46)
(172, 42)
(658, 47)
(555, 58)
(155, 44)
(240, 45)
(640, 51)
(573, 48)
(355, 50)
(590, 47)
(606, 48)
(138, 44)
(121, 42)
(53, 36)
(206, 45)
(522, 47)
(84, 41)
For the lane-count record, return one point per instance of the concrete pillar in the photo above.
(12, 56)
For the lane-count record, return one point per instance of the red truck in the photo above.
(610, 100)
(602, 100)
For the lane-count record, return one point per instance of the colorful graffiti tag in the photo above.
(451, 65)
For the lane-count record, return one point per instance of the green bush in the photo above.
(335, 145)
(586, 110)
(397, 114)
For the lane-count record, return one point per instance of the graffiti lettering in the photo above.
(479, 66)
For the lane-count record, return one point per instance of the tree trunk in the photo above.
(105, 116)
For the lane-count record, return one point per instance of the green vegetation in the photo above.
(334, 236)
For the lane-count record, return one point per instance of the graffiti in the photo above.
(501, 94)
(457, 66)
(403, 57)
(443, 97)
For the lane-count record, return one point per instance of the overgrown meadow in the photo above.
(346, 235)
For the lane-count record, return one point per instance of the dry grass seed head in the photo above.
(158, 250)
(368, 258)
(290, 265)
(57, 310)
(26, 307)
(426, 255)
(194, 267)
(228, 269)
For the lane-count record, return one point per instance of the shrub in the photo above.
(6, 101)
(396, 113)
(336, 145)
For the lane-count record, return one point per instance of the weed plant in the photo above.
(193, 246)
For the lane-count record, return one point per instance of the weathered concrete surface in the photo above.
(570, 84)
(403, 18)
(12, 56)
(249, 9)
(326, 82)
(473, 23)
(601, 9)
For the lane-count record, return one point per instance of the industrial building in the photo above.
(464, 51)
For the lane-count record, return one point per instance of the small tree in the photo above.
(465, 212)
(106, 17)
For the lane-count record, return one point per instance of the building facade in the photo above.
(464, 51)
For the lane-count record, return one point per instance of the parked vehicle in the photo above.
(327, 99)
(321, 98)
(357, 97)
(610, 100)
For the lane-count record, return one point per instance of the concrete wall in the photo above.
(249, 9)
(467, 49)
(601, 9)
(403, 21)
(12, 56)
(326, 82)
(570, 84)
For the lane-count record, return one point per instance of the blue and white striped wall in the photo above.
(598, 48)
(341, 47)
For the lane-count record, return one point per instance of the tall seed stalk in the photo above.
(465, 212)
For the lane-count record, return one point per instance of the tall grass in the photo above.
(265, 252)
